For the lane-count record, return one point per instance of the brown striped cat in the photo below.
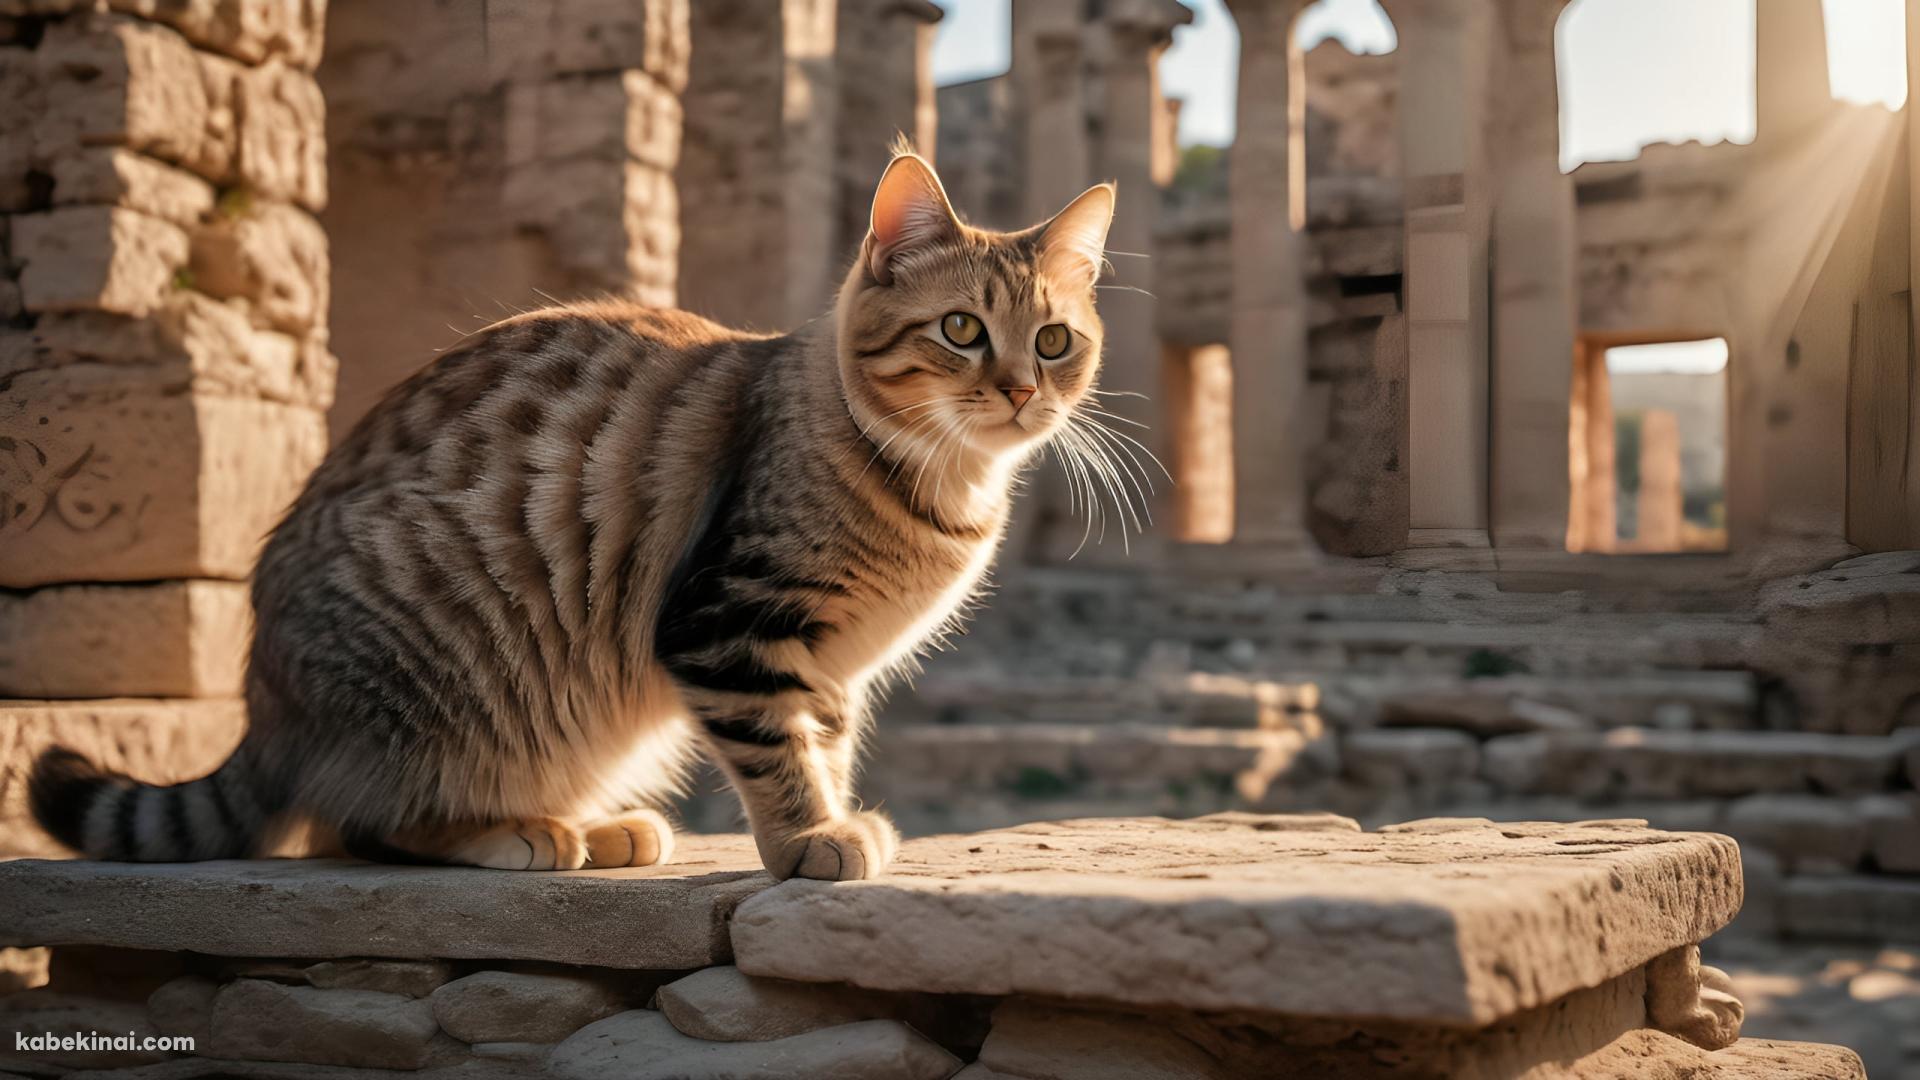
(546, 570)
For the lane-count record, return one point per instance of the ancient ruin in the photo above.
(1437, 554)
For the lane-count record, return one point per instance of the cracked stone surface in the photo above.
(649, 917)
(1449, 921)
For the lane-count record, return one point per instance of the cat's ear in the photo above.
(1073, 245)
(910, 212)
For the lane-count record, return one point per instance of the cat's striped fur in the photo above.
(544, 571)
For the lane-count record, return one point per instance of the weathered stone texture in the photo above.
(1083, 909)
(156, 741)
(97, 257)
(644, 1046)
(171, 639)
(722, 1004)
(126, 485)
(257, 1020)
(505, 1006)
(482, 167)
(656, 917)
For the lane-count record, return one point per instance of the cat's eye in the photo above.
(1052, 341)
(962, 329)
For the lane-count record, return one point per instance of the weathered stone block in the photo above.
(274, 257)
(1806, 832)
(160, 742)
(110, 80)
(722, 1004)
(506, 1006)
(34, 1013)
(281, 140)
(413, 978)
(1276, 921)
(1849, 907)
(104, 257)
(642, 1045)
(1429, 759)
(256, 1020)
(115, 176)
(170, 639)
(245, 29)
(659, 917)
(1642, 763)
(116, 484)
(192, 344)
(1893, 831)
(184, 1006)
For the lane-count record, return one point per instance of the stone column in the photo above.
(164, 364)
(757, 177)
(885, 70)
(1791, 88)
(1131, 154)
(1658, 505)
(1534, 287)
(1049, 54)
(488, 160)
(1268, 333)
(1445, 55)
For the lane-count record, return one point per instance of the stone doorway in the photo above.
(1647, 444)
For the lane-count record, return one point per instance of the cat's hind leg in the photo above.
(525, 844)
(633, 838)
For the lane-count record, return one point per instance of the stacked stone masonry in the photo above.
(1234, 946)
(490, 160)
(164, 363)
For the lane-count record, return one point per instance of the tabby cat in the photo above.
(538, 577)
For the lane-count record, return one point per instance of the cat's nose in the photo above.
(1018, 395)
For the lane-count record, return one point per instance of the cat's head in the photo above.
(952, 336)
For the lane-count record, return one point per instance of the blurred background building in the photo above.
(1506, 481)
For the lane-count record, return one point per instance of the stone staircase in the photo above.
(1088, 693)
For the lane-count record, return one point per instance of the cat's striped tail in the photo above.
(106, 815)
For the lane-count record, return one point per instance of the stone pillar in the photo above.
(1048, 71)
(1445, 52)
(1268, 333)
(1791, 89)
(884, 57)
(757, 177)
(1534, 288)
(491, 159)
(1131, 154)
(1657, 507)
(164, 364)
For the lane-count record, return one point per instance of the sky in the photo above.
(1621, 87)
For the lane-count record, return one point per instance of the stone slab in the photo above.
(1452, 922)
(156, 741)
(168, 639)
(650, 917)
(117, 483)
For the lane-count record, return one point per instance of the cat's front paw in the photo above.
(853, 848)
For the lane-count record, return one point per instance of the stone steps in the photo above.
(1664, 699)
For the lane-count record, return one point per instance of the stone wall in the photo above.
(484, 167)
(164, 361)
(1548, 951)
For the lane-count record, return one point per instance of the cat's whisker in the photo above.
(1136, 442)
(1102, 469)
(1115, 416)
(1123, 477)
(1128, 288)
